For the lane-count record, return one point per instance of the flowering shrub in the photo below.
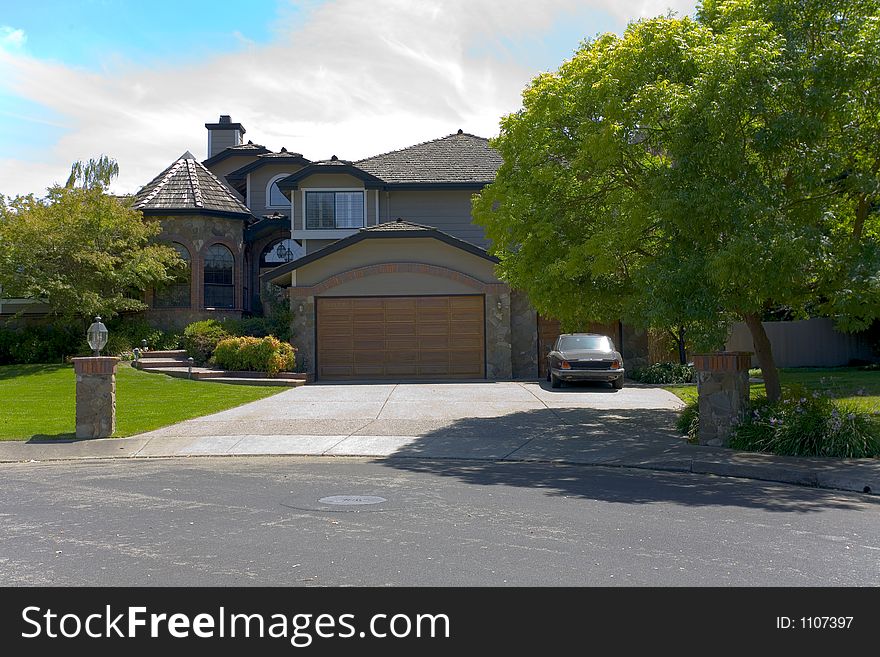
(808, 424)
(267, 354)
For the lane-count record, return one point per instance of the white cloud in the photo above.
(11, 37)
(351, 78)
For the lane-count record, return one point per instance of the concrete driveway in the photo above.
(527, 421)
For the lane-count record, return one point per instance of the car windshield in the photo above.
(584, 342)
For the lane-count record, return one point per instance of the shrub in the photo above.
(688, 422)
(663, 373)
(200, 339)
(276, 322)
(126, 333)
(48, 343)
(808, 424)
(258, 327)
(268, 354)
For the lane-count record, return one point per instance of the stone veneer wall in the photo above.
(722, 393)
(524, 336)
(498, 352)
(198, 233)
(303, 330)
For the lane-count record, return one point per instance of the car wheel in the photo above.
(618, 383)
(555, 381)
(548, 373)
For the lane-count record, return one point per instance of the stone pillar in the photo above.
(498, 362)
(303, 330)
(722, 393)
(95, 396)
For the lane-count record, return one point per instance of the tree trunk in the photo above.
(765, 356)
(682, 352)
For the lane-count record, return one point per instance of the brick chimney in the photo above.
(223, 134)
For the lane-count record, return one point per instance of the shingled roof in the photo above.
(459, 159)
(187, 187)
(249, 148)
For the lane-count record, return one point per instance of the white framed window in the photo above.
(274, 197)
(334, 209)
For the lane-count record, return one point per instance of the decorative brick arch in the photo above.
(398, 268)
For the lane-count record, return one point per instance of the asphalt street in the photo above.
(266, 521)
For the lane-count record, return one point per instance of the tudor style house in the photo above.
(387, 275)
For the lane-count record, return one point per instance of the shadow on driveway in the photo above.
(619, 437)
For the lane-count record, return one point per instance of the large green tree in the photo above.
(82, 251)
(696, 171)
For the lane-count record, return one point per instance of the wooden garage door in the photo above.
(400, 337)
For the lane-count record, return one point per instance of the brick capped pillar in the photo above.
(722, 393)
(95, 396)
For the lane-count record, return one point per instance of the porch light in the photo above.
(97, 336)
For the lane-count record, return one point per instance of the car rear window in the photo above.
(578, 342)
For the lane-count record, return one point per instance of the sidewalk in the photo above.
(859, 475)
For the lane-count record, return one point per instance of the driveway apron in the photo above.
(484, 420)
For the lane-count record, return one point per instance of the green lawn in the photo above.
(849, 383)
(38, 401)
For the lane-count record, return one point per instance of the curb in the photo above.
(859, 481)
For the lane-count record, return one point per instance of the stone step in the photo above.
(251, 381)
(158, 362)
(290, 379)
(166, 353)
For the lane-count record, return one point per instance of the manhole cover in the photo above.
(352, 500)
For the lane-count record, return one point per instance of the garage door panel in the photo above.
(368, 358)
(401, 343)
(336, 303)
(400, 337)
(402, 370)
(368, 371)
(434, 342)
(467, 328)
(341, 344)
(432, 302)
(395, 329)
(336, 372)
(468, 341)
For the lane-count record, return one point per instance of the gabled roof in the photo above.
(249, 148)
(387, 230)
(458, 160)
(267, 158)
(333, 165)
(187, 187)
(238, 178)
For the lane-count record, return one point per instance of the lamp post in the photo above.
(95, 387)
(97, 336)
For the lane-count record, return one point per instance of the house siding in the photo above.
(446, 210)
(259, 179)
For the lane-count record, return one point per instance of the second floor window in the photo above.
(330, 210)
(274, 197)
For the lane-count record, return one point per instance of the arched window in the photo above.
(280, 252)
(219, 285)
(177, 293)
(274, 197)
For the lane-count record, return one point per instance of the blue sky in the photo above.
(137, 80)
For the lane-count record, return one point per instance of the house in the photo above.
(386, 273)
